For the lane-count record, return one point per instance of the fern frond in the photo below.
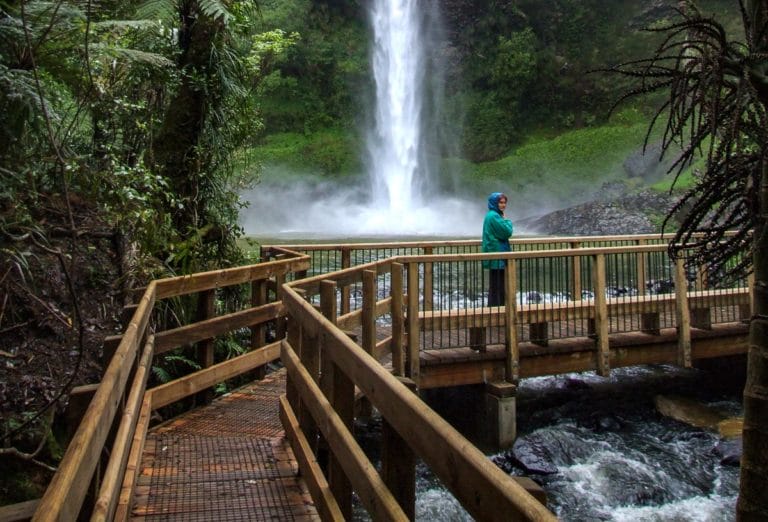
(130, 55)
(216, 10)
(162, 10)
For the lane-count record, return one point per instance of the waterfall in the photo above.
(395, 142)
(401, 198)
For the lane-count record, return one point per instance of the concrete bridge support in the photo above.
(501, 414)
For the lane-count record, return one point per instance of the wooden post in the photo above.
(328, 308)
(343, 401)
(642, 270)
(294, 339)
(111, 342)
(79, 399)
(258, 332)
(368, 327)
(346, 262)
(501, 414)
(206, 309)
(511, 348)
(281, 322)
(650, 323)
(412, 363)
(745, 311)
(702, 278)
(398, 464)
(398, 319)
(309, 354)
(576, 275)
(369, 311)
(683, 315)
(601, 316)
(428, 281)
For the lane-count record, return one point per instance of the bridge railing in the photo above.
(330, 353)
(324, 369)
(327, 258)
(117, 418)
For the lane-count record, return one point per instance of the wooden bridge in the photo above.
(364, 326)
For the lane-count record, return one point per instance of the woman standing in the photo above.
(496, 233)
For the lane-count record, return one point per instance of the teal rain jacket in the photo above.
(496, 232)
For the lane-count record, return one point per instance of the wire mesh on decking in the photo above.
(228, 461)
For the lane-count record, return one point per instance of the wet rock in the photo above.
(729, 452)
(611, 212)
(575, 384)
(531, 457)
(608, 423)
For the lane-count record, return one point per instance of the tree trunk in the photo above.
(176, 151)
(753, 490)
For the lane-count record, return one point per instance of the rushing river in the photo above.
(610, 454)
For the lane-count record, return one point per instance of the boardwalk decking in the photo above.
(228, 461)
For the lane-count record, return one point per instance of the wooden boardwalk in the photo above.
(228, 461)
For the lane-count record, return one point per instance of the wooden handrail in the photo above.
(64, 496)
(518, 240)
(485, 491)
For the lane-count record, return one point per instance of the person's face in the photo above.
(502, 204)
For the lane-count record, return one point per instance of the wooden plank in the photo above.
(170, 339)
(132, 468)
(367, 483)
(572, 310)
(354, 319)
(189, 284)
(626, 350)
(601, 316)
(310, 470)
(518, 241)
(178, 389)
(18, 512)
(106, 502)
(66, 492)
(683, 315)
(412, 352)
(512, 359)
(397, 309)
(527, 254)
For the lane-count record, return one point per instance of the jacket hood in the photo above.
(493, 201)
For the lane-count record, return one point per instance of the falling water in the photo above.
(395, 142)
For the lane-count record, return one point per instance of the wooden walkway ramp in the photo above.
(227, 461)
